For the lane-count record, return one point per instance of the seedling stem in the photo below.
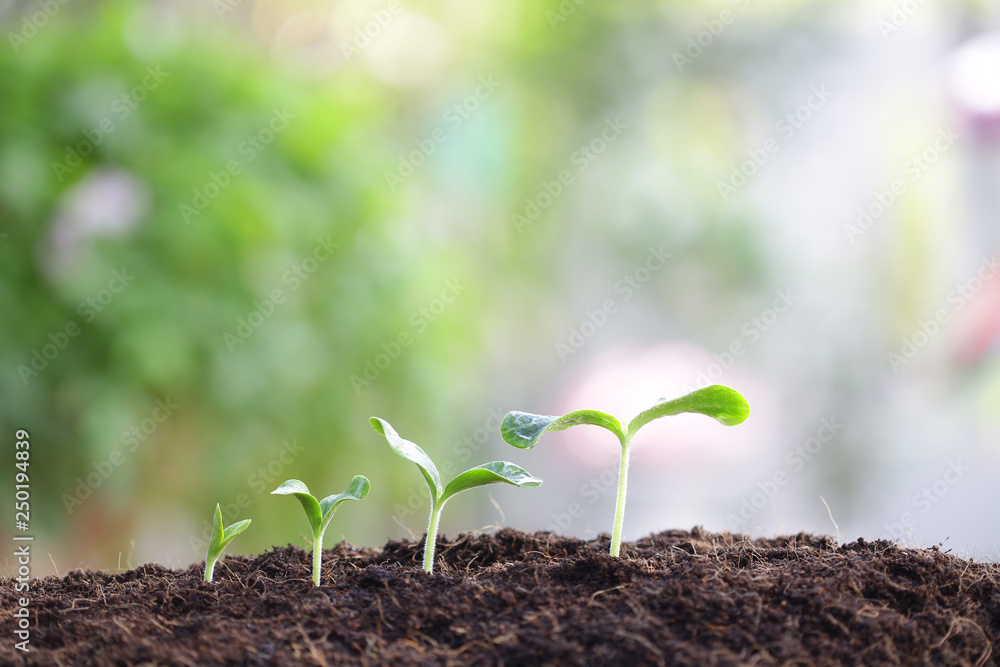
(616, 535)
(430, 542)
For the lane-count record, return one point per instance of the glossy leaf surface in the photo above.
(294, 487)
(721, 403)
(523, 429)
(356, 490)
(412, 452)
(495, 472)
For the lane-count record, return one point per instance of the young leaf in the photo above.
(294, 487)
(410, 451)
(232, 531)
(721, 403)
(217, 531)
(523, 429)
(495, 472)
(356, 490)
(220, 540)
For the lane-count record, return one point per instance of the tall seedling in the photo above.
(523, 429)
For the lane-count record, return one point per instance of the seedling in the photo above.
(489, 473)
(220, 540)
(320, 512)
(726, 405)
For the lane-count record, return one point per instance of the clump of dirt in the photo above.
(512, 598)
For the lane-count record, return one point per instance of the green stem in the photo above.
(431, 540)
(209, 569)
(317, 556)
(616, 536)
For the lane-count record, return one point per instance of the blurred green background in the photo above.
(232, 231)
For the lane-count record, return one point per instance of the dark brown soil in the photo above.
(676, 598)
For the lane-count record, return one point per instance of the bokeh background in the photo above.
(231, 231)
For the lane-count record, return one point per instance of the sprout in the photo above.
(320, 512)
(220, 540)
(522, 430)
(489, 473)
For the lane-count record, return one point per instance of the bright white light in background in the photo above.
(399, 47)
(625, 382)
(411, 50)
(975, 75)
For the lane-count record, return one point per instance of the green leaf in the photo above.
(494, 472)
(294, 487)
(523, 429)
(721, 403)
(356, 490)
(215, 544)
(234, 530)
(409, 450)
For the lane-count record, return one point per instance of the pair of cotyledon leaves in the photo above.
(523, 429)
(320, 512)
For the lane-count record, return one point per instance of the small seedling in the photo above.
(726, 405)
(220, 540)
(320, 512)
(489, 473)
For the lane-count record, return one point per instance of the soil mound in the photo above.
(512, 598)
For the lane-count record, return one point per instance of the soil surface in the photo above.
(676, 598)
